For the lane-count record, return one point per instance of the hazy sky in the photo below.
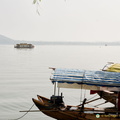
(61, 20)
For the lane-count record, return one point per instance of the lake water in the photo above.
(24, 73)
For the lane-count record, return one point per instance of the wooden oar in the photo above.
(30, 111)
(107, 111)
(90, 101)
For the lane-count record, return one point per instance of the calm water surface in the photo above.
(24, 73)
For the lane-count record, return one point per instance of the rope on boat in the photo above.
(81, 95)
(92, 97)
(23, 114)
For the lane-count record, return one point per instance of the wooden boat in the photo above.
(24, 45)
(61, 112)
(96, 81)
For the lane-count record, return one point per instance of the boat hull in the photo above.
(66, 113)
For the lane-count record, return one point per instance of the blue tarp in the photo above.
(86, 77)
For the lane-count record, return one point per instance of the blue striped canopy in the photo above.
(95, 80)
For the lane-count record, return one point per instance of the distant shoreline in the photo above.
(7, 41)
(64, 43)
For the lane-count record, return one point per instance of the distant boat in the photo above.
(24, 45)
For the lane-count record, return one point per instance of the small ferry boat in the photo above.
(24, 45)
